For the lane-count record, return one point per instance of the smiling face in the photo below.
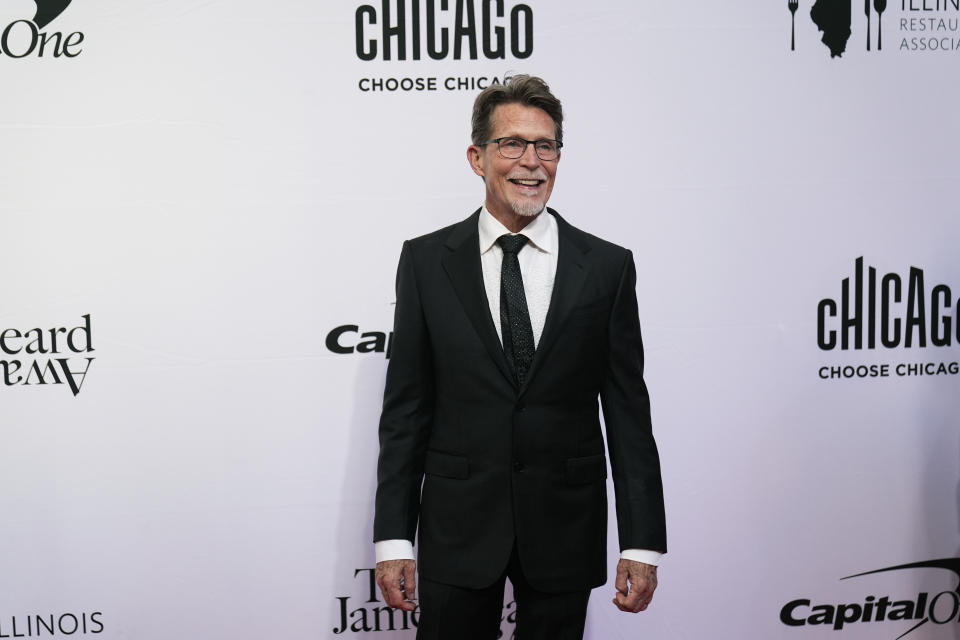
(520, 187)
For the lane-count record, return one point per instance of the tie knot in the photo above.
(512, 243)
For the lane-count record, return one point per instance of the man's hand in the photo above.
(643, 581)
(398, 583)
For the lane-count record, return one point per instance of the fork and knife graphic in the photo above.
(792, 5)
(878, 5)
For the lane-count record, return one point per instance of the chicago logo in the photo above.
(435, 30)
(447, 34)
(892, 310)
(888, 311)
(25, 37)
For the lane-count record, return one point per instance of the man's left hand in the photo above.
(642, 579)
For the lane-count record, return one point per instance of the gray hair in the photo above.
(527, 90)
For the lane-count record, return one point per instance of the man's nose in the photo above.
(529, 157)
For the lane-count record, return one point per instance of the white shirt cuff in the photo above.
(393, 550)
(403, 550)
(640, 555)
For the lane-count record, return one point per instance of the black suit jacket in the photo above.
(479, 462)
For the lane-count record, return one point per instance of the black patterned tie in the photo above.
(514, 318)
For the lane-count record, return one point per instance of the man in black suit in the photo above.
(490, 438)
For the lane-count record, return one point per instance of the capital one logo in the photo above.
(906, 613)
(26, 37)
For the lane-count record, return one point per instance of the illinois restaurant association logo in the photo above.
(903, 26)
(29, 37)
(906, 313)
(409, 35)
(53, 624)
(42, 357)
(893, 616)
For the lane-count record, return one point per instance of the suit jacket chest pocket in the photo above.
(452, 330)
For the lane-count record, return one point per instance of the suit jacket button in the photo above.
(517, 466)
(521, 407)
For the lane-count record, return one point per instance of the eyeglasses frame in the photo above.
(526, 142)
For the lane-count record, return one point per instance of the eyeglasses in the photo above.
(513, 148)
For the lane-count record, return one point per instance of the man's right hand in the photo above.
(398, 583)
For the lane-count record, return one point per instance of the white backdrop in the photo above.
(209, 183)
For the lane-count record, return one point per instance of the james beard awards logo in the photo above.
(26, 37)
(895, 618)
(40, 357)
(419, 31)
(367, 613)
(889, 312)
(910, 25)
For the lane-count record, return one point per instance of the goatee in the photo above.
(526, 208)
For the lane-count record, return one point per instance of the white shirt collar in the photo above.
(541, 231)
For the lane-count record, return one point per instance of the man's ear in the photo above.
(475, 158)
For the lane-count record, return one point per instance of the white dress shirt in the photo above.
(538, 268)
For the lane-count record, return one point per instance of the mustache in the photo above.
(538, 175)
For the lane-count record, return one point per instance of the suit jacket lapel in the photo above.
(462, 264)
(572, 269)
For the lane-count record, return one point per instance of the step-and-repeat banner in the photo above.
(201, 209)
